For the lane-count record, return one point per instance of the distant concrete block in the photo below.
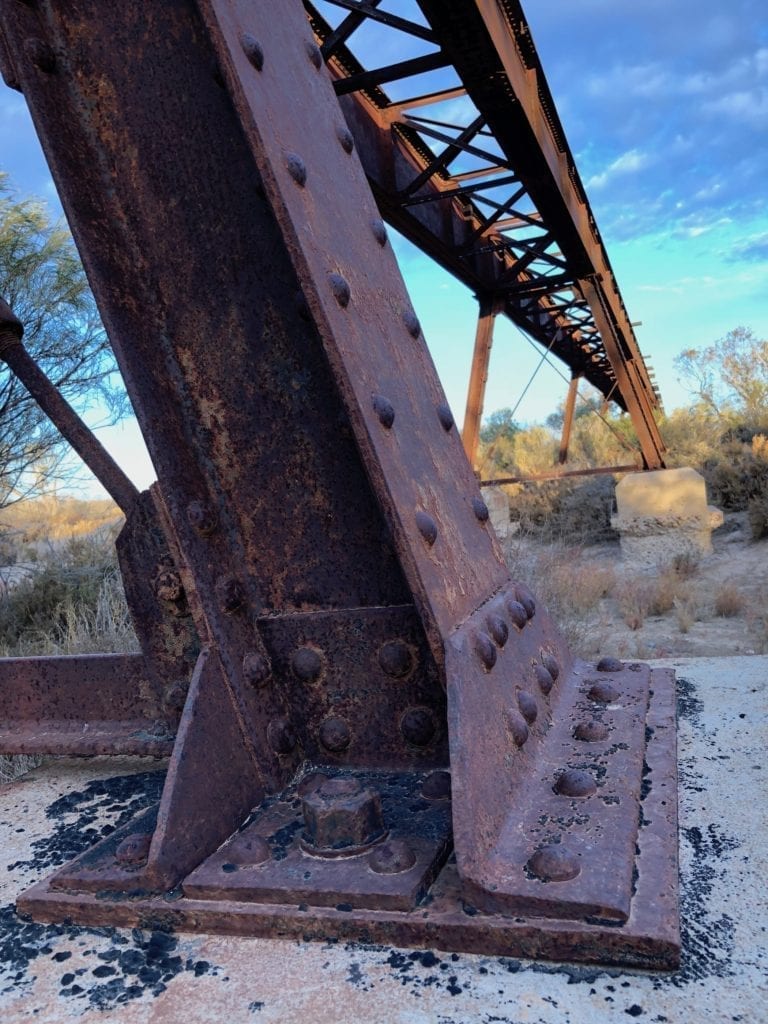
(498, 508)
(663, 514)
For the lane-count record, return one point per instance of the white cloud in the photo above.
(628, 163)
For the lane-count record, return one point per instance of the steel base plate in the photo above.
(443, 919)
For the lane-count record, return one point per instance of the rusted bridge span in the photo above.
(373, 731)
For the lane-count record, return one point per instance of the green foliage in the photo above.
(43, 281)
(730, 376)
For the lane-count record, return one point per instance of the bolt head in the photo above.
(427, 527)
(575, 783)
(411, 322)
(256, 668)
(340, 289)
(314, 54)
(437, 786)
(335, 735)
(341, 816)
(345, 137)
(252, 50)
(396, 659)
(134, 849)
(554, 864)
(480, 509)
(379, 230)
(609, 664)
(392, 857)
(296, 168)
(418, 726)
(528, 706)
(384, 410)
(445, 416)
(516, 726)
(591, 732)
(498, 629)
(485, 650)
(307, 664)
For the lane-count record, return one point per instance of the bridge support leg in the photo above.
(470, 436)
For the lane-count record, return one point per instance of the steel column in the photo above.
(478, 378)
(570, 408)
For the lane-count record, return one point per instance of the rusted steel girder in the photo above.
(492, 192)
(373, 690)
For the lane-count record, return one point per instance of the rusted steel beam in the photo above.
(60, 412)
(558, 474)
(478, 378)
(570, 408)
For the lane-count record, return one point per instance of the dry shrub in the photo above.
(12, 766)
(729, 601)
(634, 600)
(684, 614)
(686, 564)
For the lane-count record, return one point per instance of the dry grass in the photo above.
(729, 601)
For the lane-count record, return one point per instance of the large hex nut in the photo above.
(341, 818)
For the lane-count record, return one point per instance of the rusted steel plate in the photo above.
(649, 940)
(365, 688)
(81, 704)
(271, 861)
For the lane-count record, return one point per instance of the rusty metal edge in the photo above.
(649, 941)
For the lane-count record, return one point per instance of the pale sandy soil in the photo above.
(691, 629)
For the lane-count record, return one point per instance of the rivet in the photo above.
(418, 726)
(346, 138)
(427, 527)
(296, 168)
(340, 289)
(379, 229)
(134, 849)
(591, 732)
(168, 586)
(437, 786)
(498, 629)
(281, 736)
(603, 693)
(201, 517)
(544, 679)
(252, 50)
(517, 726)
(554, 864)
(392, 857)
(411, 322)
(313, 52)
(575, 783)
(306, 663)
(609, 665)
(480, 509)
(335, 735)
(395, 658)
(526, 599)
(384, 410)
(256, 668)
(41, 55)
(551, 664)
(249, 852)
(445, 416)
(485, 649)
(517, 613)
(528, 706)
(229, 591)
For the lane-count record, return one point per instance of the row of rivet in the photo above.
(417, 727)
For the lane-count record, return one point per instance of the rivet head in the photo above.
(418, 726)
(427, 527)
(384, 410)
(411, 322)
(591, 732)
(306, 664)
(168, 586)
(256, 669)
(249, 852)
(379, 229)
(280, 736)
(526, 599)
(603, 693)
(176, 696)
(340, 289)
(554, 864)
(252, 50)
(41, 55)
(313, 52)
(134, 849)
(575, 783)
(395, 658)
(296, 168)
(392, 857)
(551, 664)
(229, 591)
(609, 665)
(480, 509)
(346, 138)
(528, 706)
(544, 679)
(335, 735)
(517, 613)
(437, 786)
(517, 726)
(445, 416)
(201, 517)
(485, 649)
(498, 629)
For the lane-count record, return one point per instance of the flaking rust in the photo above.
(383, 735)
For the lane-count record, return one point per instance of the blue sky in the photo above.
(665, 105)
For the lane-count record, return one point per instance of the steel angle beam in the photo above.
(373, 692)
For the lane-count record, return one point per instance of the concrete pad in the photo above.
(55, 973)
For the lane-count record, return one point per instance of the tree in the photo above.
(43, 281)
(731, 376)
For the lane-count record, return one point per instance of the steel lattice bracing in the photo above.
(467, 158)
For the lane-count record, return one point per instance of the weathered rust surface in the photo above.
(316, 528)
